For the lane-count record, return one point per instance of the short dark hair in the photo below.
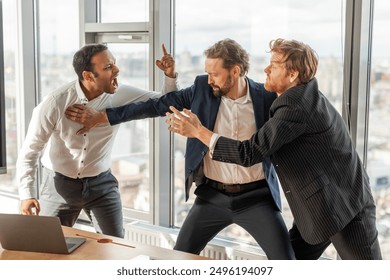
(231, 53)
(82, 58)
(297, 56)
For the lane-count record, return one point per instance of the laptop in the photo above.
(35, 234)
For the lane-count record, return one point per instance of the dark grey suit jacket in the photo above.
(319, 169)
(199, 98)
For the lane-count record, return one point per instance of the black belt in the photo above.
(235, 188)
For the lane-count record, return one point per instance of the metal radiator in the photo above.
(166, 237)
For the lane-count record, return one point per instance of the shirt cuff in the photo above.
(171, 81)
(213, 142)
(170, 84)
(26, 193)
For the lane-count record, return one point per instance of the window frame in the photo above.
(3, 160)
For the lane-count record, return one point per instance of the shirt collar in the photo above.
(243, 99)
(248, 97)
(80, 93)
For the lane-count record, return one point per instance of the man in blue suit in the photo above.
(228, 103)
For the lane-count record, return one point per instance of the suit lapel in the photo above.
(258, 104)
(213, 111)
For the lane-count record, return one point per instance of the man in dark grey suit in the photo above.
(226, 193)
(322, 176)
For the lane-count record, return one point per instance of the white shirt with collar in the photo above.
(236, 120)
(75, 156)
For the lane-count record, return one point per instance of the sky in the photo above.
(256, 24)
(253, 23)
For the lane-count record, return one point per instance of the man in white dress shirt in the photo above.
(76, 168)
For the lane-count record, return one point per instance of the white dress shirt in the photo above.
(75, 156)
(235, 120)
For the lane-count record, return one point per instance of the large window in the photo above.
(130, 156)
(58, 41)
(41, 36)
(124, 11)
(11, 95)
(253, 25)
(378, 155)
(46, 61)
(127, 36)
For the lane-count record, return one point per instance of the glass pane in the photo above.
(58, 41)
(290, 19)
(124, 11)
(130, 156)
(378, 156)
(11, 94)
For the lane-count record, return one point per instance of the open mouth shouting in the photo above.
(114, 82)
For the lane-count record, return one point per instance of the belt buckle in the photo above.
(233, 188)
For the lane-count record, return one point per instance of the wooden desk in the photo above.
(93, 250)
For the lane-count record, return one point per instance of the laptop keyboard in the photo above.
(70, 245)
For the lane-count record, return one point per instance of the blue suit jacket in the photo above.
(199, 98)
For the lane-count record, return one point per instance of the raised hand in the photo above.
(166, 63)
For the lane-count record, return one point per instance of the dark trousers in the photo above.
(357, 241)
(98, 196)
(254, 211)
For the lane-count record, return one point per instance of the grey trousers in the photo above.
(98, 196)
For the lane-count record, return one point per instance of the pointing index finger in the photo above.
(164, 49)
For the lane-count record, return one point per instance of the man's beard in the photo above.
(268, 86)
(222, 91)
